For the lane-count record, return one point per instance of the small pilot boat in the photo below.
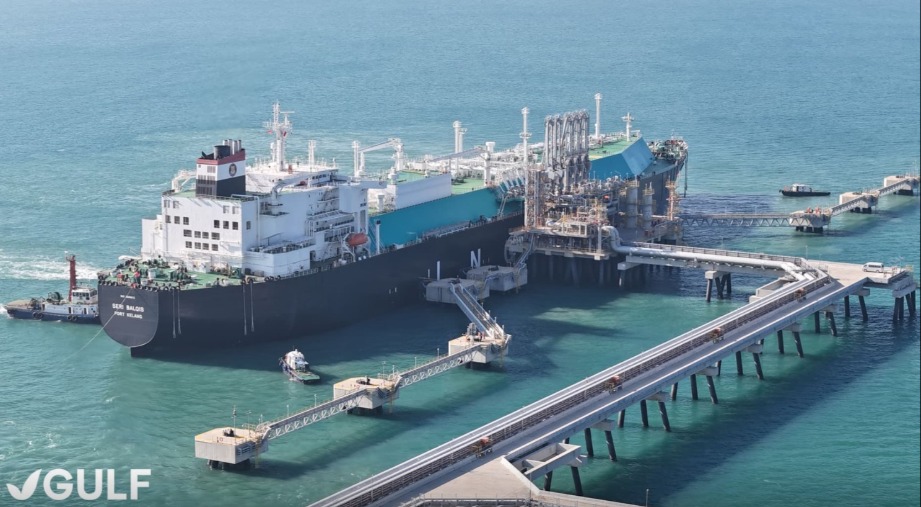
(297, 368)
(800, 190)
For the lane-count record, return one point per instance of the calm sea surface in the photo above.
(102, 101)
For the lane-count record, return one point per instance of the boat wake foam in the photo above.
(43, 268)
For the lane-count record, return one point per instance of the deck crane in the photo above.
(476, 150)
(393, 142)
(454, 158)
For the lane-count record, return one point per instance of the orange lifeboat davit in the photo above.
(356, 238)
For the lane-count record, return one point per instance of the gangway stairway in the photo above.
(478, 315)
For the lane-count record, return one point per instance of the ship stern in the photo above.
(133, 316)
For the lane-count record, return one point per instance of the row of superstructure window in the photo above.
(200, 234)
(227, 224)
(201, 246)
(217, 224)
(167, 204)
(176, 219)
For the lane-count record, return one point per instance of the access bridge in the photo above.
(809, 219)
(484, 342)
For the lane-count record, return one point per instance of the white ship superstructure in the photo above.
(274, 219)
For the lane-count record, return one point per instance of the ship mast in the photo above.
(280, 126)
(72, 261)
(629, 121)
(598, 117)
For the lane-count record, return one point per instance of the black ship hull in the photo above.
(153, 321)
(795, 193)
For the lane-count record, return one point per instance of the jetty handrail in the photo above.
(438, 365)
(274, 429)
(908, 180)
(705, 216)
(864, 199)
(798, 261)
(397, 379)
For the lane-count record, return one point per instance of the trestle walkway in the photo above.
(810, 219)
(234, 447)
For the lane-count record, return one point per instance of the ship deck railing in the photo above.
(249, 196)
(200, 279)
(448, 229)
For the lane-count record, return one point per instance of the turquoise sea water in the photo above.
(102, 101)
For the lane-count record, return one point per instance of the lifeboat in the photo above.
(356, 238)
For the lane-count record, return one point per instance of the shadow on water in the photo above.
(256, 357)
(422, 328)
(754, 418)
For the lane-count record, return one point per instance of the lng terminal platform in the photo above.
(532, 442)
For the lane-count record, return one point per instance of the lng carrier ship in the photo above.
(282, 248)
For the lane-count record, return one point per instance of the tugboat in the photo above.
(800, 190)
(81, 305)
(297, 368)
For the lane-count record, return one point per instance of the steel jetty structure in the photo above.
(533, 441)
(813, 219)
(287, 247)
(237, 448)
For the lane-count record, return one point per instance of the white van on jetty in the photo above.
(874, 267)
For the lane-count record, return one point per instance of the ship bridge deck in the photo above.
(166, 276)
(610, 148)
